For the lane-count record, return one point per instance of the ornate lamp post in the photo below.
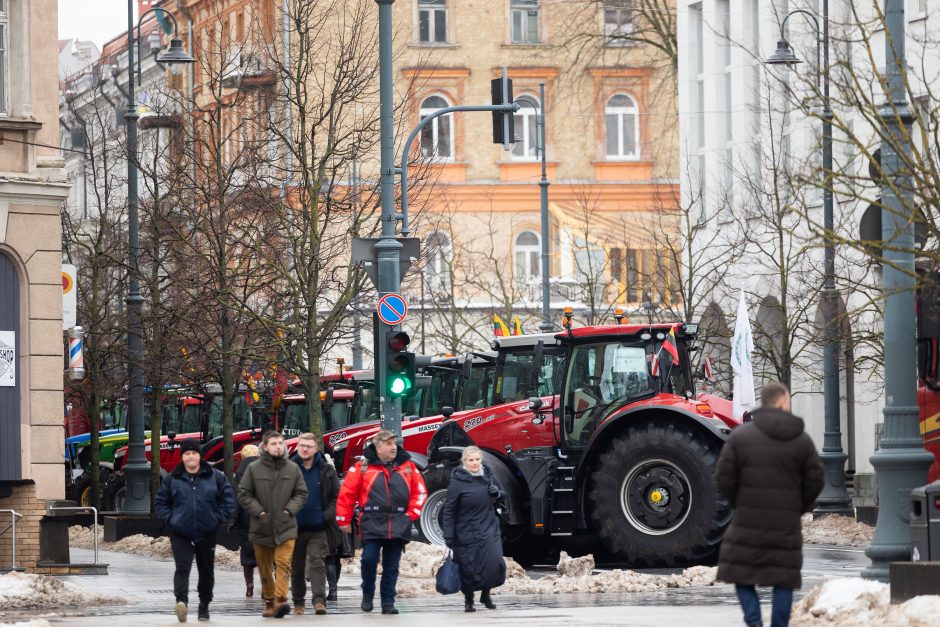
(137, 470)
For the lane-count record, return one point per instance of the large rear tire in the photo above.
(654, 498)
(429, 525)
(115, 493)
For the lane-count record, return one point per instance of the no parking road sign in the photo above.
(392, 309)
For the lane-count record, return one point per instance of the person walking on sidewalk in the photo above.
(242, 523)
(317, 533)
(771, 474)
(272, 492)
(194, 501)
(471, 528)
(390, 492)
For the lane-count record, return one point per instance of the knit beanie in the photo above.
(190, 444)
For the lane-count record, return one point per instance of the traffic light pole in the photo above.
(388, 248)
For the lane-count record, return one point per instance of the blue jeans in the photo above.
(780, 612)
(391, 555)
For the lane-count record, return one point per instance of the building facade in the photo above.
(32, 188)
(751, 162)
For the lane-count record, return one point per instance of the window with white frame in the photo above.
(527, 251)
(437, 268)
(525, 121)
(622, 127)
(437, 138)
(4, 48)
(525, 21)
(917, 9)
(432, 21)
(618, 21)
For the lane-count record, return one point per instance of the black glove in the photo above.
(493, 489)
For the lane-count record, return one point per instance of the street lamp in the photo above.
(835, 497)
(137, 470)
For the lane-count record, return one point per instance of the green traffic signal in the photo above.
(400, 367)
(398, 386)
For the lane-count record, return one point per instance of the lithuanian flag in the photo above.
(499, 327)
(516, 326)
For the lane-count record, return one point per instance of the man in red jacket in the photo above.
(390, 492)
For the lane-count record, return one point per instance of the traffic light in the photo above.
(400, 366)
(503, 124)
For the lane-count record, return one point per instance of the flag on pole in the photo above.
(707, 369)
(499, 327)
(741, 348)
(516, 326)
(667, 355)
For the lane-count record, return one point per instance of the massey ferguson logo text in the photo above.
(6, 361)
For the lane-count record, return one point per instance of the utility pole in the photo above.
(546, 325)
(357, 310)
(901, 462)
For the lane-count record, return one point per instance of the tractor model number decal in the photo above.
(476, 422)
(336, 437)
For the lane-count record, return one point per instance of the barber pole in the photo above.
(76, 356)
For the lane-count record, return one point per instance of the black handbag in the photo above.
(347, 547)
(448, 576)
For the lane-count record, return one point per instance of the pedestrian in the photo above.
(273, 491)
(390, 492)
(317, 533)
(193, 501)
(472, 529)
(771, 474)
(242, 523)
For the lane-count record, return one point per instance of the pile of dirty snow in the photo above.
(854, 601)
(24, 592)
(575, 575)
(836, 531)
(146, 546)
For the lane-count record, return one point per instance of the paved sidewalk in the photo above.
(147, 584)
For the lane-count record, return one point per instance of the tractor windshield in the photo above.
(602, 376)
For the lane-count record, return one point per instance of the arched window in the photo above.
(438, 253)
(526, 131)
(527, 251)
(437, 138)
(622, 127)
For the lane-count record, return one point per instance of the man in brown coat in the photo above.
(770, 472)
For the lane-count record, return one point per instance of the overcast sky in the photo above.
(95, 20)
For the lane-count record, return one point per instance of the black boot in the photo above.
(333, 567)
(486, 600)
(203, 611)
(468, 602)
(249, 572)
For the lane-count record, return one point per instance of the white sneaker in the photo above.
(181, 611)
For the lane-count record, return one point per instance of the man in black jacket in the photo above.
(770, 472)
(317, 533)
(193, 501)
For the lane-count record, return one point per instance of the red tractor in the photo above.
(588, 442)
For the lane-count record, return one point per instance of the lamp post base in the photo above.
(898, 470)
(137, 483)
(834, 498)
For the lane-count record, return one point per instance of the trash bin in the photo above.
(925, 523)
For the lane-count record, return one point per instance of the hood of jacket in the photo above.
(777, 423)
(462, 474)
(266, 458)
(204, 469)
(372, 456)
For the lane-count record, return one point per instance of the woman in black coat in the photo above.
(471, 528)
(242, 521)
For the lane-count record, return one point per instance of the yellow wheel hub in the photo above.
(656, 496)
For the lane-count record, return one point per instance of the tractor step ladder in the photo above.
(563, 502)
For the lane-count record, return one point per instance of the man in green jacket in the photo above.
(272, 492)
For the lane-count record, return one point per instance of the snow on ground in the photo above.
(853, 601)
(419, 564)
(25, 591)
(144, 545)
(836, 531)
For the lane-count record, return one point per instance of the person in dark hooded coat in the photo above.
(471, 528)
(771, 474)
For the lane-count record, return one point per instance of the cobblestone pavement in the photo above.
(147, 584)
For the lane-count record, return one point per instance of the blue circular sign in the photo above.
(392, 309)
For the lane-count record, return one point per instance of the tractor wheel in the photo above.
(654, 499)
(80, 491)
(114, 493)
(429, 525)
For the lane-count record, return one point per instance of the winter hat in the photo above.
(190, 444)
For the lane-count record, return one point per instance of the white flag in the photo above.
(741, 348)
